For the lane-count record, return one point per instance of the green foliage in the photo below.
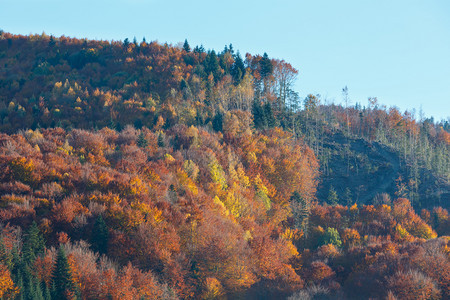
(100, 236)
(186, 46)
(332, 196)
(262, 196)
(331, 236)
(270, 117)
(34, 244)
(217, 122)
(142, 141)
(259, 116)
(62, 277)
(217, 174)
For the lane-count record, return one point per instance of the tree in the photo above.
(266, 66)
(186, 46)
(301, 209)
(332, 196)
(259, 117)
(268, 112)
(34, 244)
(62, 277)
(237, 69)
(142, 141)
(331, 236)
(100, 236)
(126, 43)
(217, 122)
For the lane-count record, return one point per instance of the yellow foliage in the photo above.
(137, 186)
(7, 288)
(7, 199)
(213, 289)
(187, 182)
(147, 210)
(22, 169)
(402, 234)
(220, 203)
(217, 173)
(233, 204)
(168, 158)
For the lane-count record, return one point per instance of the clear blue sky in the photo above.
(396, 50)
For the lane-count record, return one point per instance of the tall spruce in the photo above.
(270, 117)
(259, 117)
(34, 244)
(100, 236)
(217, 122)
(237, 69)
(186, 46)
(142, 141)
(62, 276)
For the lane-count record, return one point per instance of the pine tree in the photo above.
(62, 277)
(266, 66)
(217, 122)
(33, 245)
(332, 196)
(301, 208)
(160, 140)
(237, 69)
(126, 42)
(268, 112)
(142, 141)
(212, 65)
(259, 117)
(348, 197)
(5, 257)
(100, 236)
(186, 46)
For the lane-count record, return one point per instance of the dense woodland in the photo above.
(136, 170)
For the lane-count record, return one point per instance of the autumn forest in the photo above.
(140, 170)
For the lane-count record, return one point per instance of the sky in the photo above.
(397, 51)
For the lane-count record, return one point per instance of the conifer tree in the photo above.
(301, 208)
(33, 245)
(332, 196)
(217, 122)
(160, 140)
(268, 112)
(266, 66)
(237, 69)
(61, 276)
(186, 46)
(142, 141)
(259, 117)
(100, 236)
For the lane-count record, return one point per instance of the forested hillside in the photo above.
(135, 170)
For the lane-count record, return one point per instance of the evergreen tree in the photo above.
(301, 209)
(62, 277)
(212, 64)
(237, 69)
(126, 42)
(332, 196)
(268, 112)
(217, 122)
(5, 257)
(348, 197)
(259, 117)
(266, 66)
(142, 141)
(186, 46)
(100, 236)
(160, 140)
(33, 245)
